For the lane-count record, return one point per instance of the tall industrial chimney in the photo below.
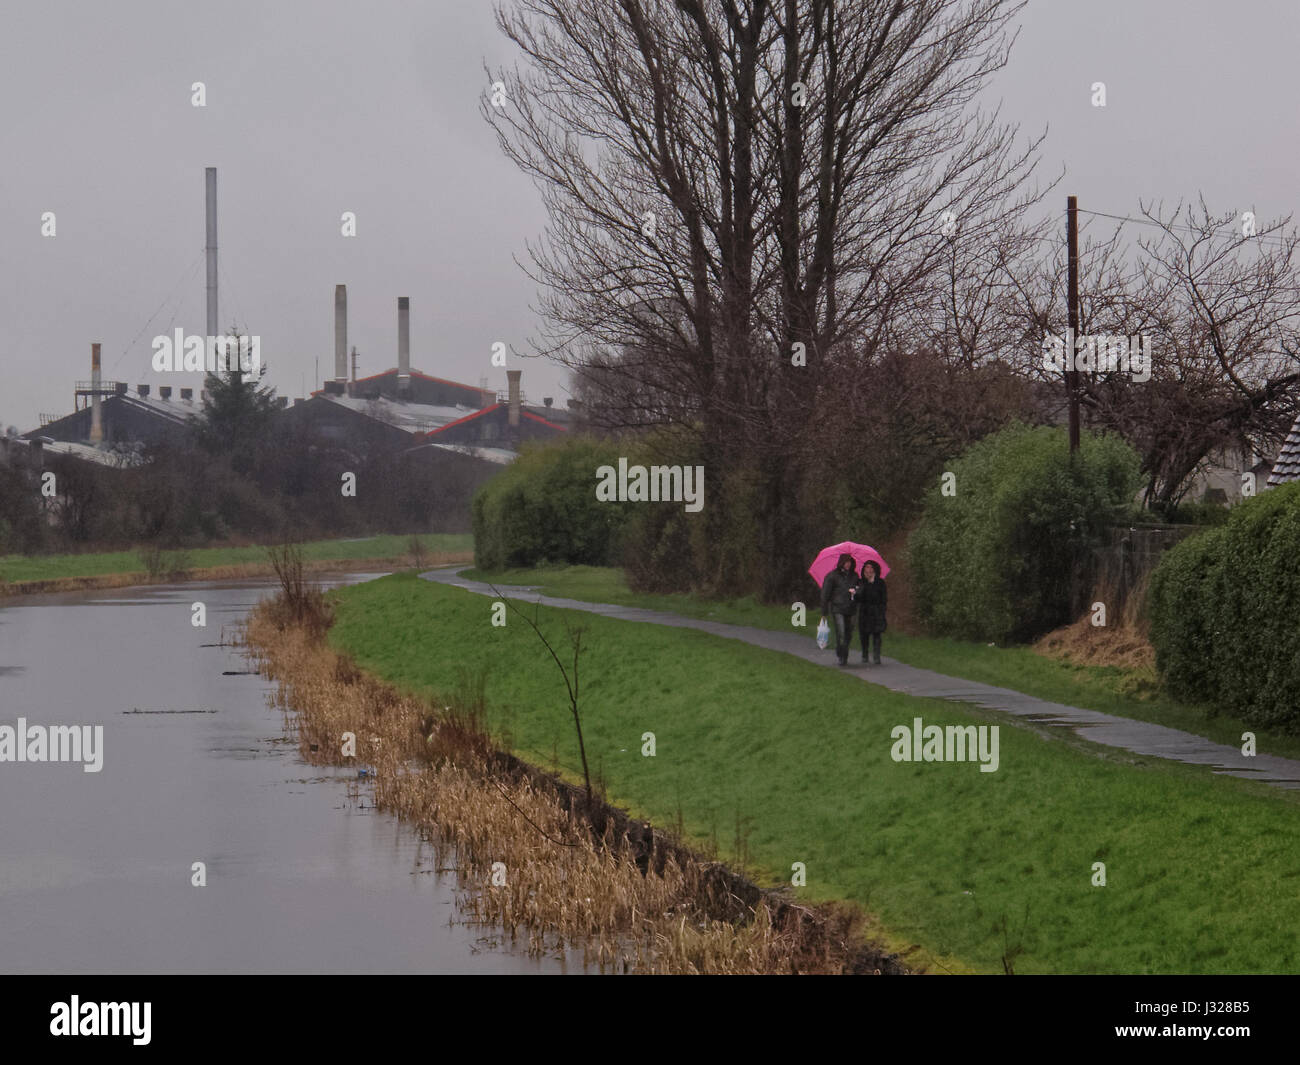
(340, 332)
(404, 346)
(96, 426)
(513, 377)
(211, 175)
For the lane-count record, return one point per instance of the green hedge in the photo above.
(994, 560)
(543, 508)
(1225, 613)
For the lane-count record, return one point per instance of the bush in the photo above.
(1223, 613)
(543, 508)
(994, 561)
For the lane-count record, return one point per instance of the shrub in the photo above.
(543, 508)
(1223, 607)
(995, 560)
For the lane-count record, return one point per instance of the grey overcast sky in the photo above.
(318, 108)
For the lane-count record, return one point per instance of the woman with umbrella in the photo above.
(872, 596)
(838, 590)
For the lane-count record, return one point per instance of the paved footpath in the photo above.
(1140, 737)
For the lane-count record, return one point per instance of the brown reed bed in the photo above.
(533, 858)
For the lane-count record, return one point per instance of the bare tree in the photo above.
(738, 186)
(1222, 311)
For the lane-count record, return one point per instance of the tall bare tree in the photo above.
(740, 186)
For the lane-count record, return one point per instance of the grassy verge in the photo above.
(774, 761)
(30, 572)
(1123, 692)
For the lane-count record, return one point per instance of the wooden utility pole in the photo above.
(1071, 374)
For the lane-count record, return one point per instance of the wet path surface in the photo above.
(1139, 737)
(303, 874)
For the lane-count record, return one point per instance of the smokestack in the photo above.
(340, 332)
(403, 346)
(211, 175)
(513, 377)
(96, 425)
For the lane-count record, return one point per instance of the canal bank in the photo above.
(540, 858)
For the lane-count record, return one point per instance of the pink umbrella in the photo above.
(828, 556)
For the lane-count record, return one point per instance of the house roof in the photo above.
(1287, 466)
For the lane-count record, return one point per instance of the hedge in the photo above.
(993, 560)
(1225, 613)
(543, 508)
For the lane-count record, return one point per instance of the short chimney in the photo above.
(340, 332)
(513, 377)
(96, 422)
(548, 400)
(299, 399)
(119, 388)
(187, 394)
(164, 391)
(404, 346)
(142, 390)
(282, 401)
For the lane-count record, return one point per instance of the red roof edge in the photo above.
(459, 421)
(440, 380)
(539, 418)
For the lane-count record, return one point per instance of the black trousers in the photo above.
(875, 639)
(843, 634)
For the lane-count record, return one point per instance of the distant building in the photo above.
(1287, 466)
(126, 418)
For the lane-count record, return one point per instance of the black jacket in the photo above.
(872, 598)
(835, 592)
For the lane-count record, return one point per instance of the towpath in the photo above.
(1139, 737)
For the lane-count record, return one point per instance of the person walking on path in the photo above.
(872, 597)
(838, 590)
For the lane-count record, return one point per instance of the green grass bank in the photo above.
(773, 760)
(1125, 693)
(19, 568)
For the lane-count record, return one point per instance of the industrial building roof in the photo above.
(412, 417)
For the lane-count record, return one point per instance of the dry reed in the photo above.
(572, 876)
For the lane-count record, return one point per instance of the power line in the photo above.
(184, 278)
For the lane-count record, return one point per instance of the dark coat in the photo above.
(835, 592)
(872, 599)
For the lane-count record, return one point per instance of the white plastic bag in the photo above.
(823, 634)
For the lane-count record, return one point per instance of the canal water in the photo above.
(303, 874)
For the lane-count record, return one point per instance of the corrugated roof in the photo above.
(500, 455)
(1287, 466)
(465, 418)
(412, 417)
(88, 453)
